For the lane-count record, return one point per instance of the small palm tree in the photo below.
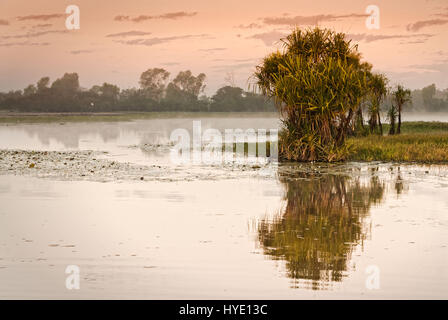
(378, 91)
(392, 115)
(401, 97)
(318, 82)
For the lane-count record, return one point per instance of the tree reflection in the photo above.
(320, 226)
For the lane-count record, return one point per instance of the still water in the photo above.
(291, 231)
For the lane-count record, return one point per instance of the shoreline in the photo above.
(42, 117)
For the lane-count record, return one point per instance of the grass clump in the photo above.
(423, 127)
(411, 147)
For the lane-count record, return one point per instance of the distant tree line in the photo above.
(155, 93)
(429, 99)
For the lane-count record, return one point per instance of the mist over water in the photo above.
(288, 231)
(425, 116)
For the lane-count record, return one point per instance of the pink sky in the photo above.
(214, 37)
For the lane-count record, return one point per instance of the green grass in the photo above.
(420, 147)
(421, 127)
(420, 142)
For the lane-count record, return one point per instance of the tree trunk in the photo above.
(399, 120)
(379, 123)
(344, 126)
(373, 122)
(361, 118)
(392, 127)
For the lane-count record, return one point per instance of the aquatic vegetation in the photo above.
(100, 166)
(319, 84)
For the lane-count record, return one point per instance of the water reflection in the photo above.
(74, 135)
(320, 226)
(400, 186)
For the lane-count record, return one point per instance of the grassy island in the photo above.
(331, 105)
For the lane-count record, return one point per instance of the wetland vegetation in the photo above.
(323, 89)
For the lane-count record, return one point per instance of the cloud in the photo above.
(444, 15)
(41, 17)
(252, 60)
(413, 42)
(269, 38)
(426, 23)
(24, 43)
(249, 26)
(41, 26)
(235, 66)
(121, 18)
(4, 22)
(155, 41)
(245, 59)
(435, 67)
(80, 51)
(377, 37)
(213, 49)
(128, 34)
(441, 53)
(309, 20)
(33, 34)
(176, 15)
(417, 76)
(168, 16)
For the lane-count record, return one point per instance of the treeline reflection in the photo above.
(321, 224)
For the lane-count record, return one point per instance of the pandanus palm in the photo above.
(318, 84)
(401, 97)
(377, 92)
(392, 115)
